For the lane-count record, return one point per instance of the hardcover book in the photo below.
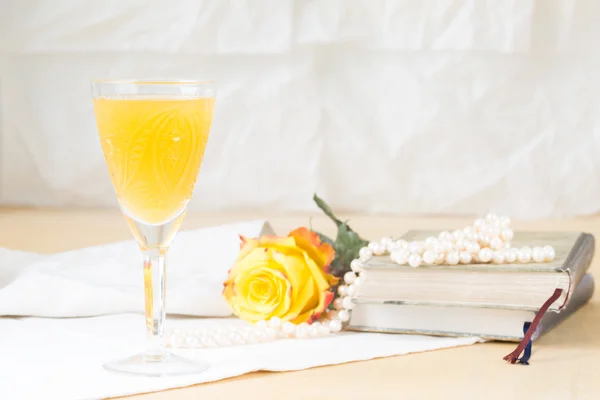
(448, 320)
(520, 286)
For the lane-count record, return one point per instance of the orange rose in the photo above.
(285, 277)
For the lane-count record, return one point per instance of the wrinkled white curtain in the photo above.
(406, 106)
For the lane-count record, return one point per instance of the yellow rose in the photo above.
(285, 277)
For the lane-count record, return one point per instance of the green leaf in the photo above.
(326, 209)
(347, 238)
(347, 246)
(347, 243)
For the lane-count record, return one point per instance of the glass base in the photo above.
(166, 364)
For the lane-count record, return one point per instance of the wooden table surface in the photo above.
(565, 361)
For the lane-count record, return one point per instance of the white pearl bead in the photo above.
(392, 247)
(448, 245)
(492, 230)
(190, 339)
(332, 314)
(343, 315)
(507, 234)
(496, 243)
(414, 260)
(343, 290)
(271, 334)
(511, 255)
(275, 323)
(218, 340)
(210, 343)
(288, 328)
(478, 224)
(356, 265)
(485, 255)
(403, 244)
(302, 330)
(498, 257)
(459, 245)
(247, 334)
(378, 249)
(452, 257)
(365, 254)
(445, 235)
(440, 247)
(262, 324)
(400, 256)
(386, 240)
(260, 337)
(549, 253)
(430, 243)
(347, 303)
(491, 217)
(524, 254)
(416, 247)
(537, 254)
(465, 257)
(191, 342)
(324, 328)
(373, 245)
(473, 248)
(468, 233)
(440, 258)
(352, 290)
(428, 257)
(335, 325)
(458, 235)
(313, 329)
(358, 281)
(349, 277)
(236, 338)
(484, 240)
(223, 340)
(504, 222)
(176, 340)
(337, 303)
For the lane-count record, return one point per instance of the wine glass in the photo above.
(153, 135)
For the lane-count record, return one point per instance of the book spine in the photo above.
(577, 264)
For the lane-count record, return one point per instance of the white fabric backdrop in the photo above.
(380, 106)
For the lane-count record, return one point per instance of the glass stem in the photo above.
(154, 293)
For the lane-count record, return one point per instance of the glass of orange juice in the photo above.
(153, 135)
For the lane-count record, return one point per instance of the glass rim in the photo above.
(154, 81)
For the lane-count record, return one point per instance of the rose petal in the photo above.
(309, 241)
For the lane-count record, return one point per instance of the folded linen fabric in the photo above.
(64, 357)
(108, 279)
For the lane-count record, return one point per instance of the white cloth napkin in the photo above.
(108, 279)
(62, 358)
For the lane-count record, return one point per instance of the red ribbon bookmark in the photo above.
(514, 356)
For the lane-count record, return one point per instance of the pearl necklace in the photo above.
(486, 240)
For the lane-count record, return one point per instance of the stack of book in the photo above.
(494, 302)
